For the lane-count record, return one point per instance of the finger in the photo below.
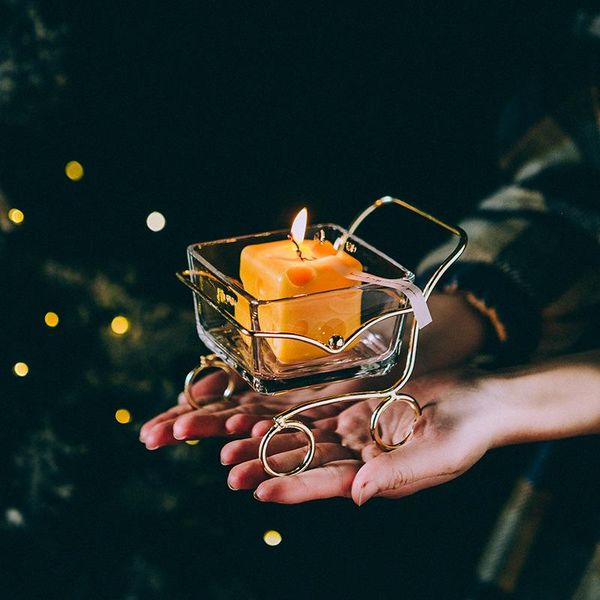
(165, 416)
(249, 474)
(357, 438)
(328, 424)
(247, 403)
(409, 469)
(160, 435)
(330, 480)
(210, 405)
(240, 451)
(191, 425)
(198, 423)
(370, 451)
(262, 427)
(215, 384)
(199, 401)
(243, 423)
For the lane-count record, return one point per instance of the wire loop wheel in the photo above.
(211, 361)
(376, 432)
(277, 428)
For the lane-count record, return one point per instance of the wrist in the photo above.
(456, 333)
(503, 413)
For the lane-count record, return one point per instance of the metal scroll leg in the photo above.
(376, 432)
(210, 361)
(280, 425)
(286, 420)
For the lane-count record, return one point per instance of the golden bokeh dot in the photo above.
(119, 325)
(21, 369)
(272, 538)
(74, 170)
(192, 442)
(16, 216)
(156, 221)
(123, 416)
(51, 319)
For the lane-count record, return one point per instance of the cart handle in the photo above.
(430, 285)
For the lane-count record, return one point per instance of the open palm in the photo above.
(453, 433)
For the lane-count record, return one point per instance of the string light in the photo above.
(74, 170)
(156, 221)
(16, 216)
(21, 369)
(272, 538)
(123, 416)
(192, 442)
(119, 325)
(51, 319)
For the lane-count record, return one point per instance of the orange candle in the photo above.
(294, 267)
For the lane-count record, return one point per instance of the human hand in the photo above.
(455, 430)
(236, 416)
(456, 333)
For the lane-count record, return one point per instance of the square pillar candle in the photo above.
(294, 267)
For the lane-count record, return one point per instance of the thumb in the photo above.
(407, 470)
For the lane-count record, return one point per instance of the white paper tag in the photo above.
(409, 289)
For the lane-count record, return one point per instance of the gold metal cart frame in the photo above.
(286, 419)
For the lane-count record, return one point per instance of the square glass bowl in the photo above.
(237, 326)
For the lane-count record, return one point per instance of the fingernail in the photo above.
(256, 496)
(231, 487)
(151, 447)
(179, 436)
(366, 493)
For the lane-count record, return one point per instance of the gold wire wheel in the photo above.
(211, 361)
(277, 428)
(378, 412)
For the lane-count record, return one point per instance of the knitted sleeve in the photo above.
(532, 266)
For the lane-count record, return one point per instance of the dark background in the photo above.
(228, 117)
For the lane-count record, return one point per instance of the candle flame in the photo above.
(299, 226)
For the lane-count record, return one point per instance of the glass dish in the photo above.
(236, 326)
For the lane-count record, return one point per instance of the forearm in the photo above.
(551, 400)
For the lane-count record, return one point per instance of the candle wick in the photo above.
(298, 251)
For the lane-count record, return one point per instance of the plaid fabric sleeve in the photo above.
(532, 266)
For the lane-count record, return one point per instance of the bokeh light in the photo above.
(16, 216)
(14, 517)
(51, 319)
(123, 416)
(119, 325)
(74, 170)
(156, 221)
(272, 538)
(21, 369)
